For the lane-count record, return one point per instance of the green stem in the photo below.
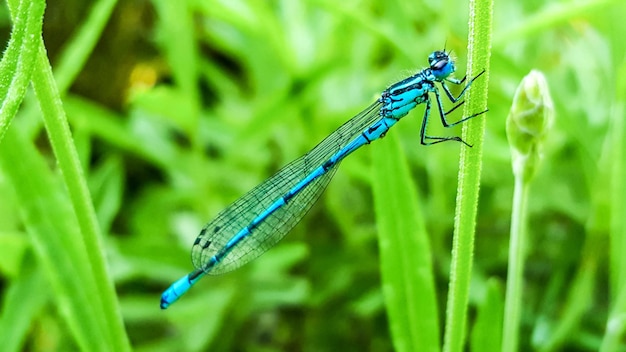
(514, 286)
(479, 49)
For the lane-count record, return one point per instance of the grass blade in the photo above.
(479, 48)
(406, 263)
(51, 225)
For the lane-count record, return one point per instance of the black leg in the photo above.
(429, 140)
(456, 81)
(443, 115)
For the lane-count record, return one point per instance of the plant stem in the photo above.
(479, 49)
(514, 284)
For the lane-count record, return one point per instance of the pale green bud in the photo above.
(530, 118)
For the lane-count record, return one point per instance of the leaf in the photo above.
(405, 257)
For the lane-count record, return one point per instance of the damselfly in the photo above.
(263, 216)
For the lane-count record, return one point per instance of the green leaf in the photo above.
(19, 58)
(486, 333)
(479, 49)
(60, 136)
(53, 231)
(21, 306)
(405, 257)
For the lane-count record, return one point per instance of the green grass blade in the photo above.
(74, 55)
(18, 60)
(18, 65)
(406, 263)
(479, 49)
(62, 143)
(21, 306)
(616, 322)
(576, 305)
(51, 225)
(618, 167)
(486, 335)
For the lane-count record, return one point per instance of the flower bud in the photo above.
(530, 118)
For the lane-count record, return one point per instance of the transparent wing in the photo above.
(238, 215)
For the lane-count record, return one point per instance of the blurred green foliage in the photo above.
(185, 105)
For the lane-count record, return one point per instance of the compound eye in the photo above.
(439, 65)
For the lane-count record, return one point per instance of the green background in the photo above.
(183, 106)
